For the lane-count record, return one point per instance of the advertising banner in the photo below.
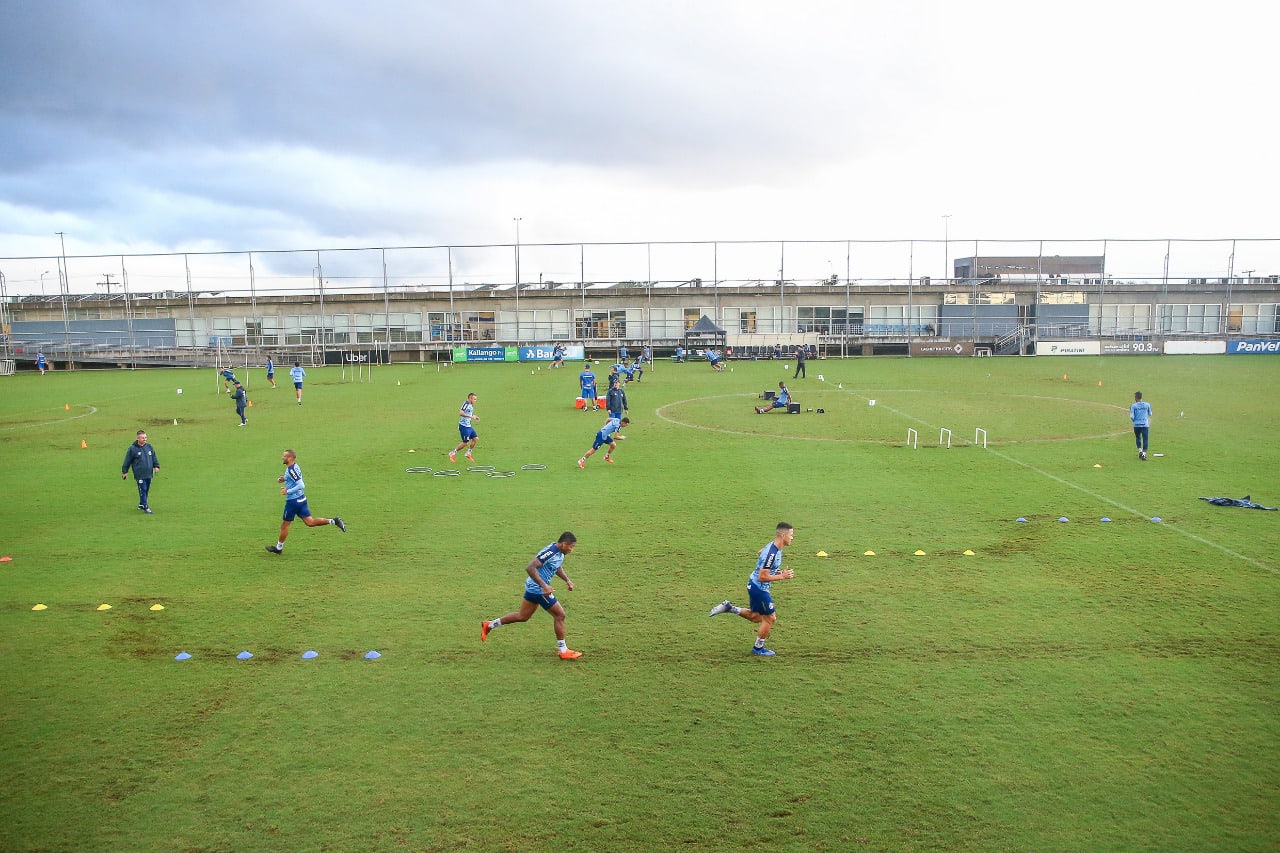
(1068, 348)
(354, 356)
(1195, 347)
(937, 348)
(486, 354)
(572, 352)
(1132, 348)
(1270, 347)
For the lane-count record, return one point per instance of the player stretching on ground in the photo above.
(768, 569)
(548, 563)
(779, 402)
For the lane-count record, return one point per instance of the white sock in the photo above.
(495, 623)
(279, 546)
(560, 644)
(759, 643)
(735, 610)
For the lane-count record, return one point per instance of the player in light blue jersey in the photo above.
(295, 502)
(1140, 414)
(548, 563)
(466, 415)
(271, 371)
(778, 402)
(609, 434)
(297, 374)
(587, 380)
(768, 569)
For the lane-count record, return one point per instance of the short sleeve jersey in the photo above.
(770, 557)
(466, 411)
(587, 379)
(550, 559)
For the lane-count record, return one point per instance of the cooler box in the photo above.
(793, 408)
(600, 402)
(579, 403)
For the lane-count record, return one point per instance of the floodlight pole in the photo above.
(516, 220)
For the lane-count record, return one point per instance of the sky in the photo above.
(153, 127)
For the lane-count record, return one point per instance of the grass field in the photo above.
(1085, 685)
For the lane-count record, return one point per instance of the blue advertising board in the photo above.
(572, 352)
(1266, 346)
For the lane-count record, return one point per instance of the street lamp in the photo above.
(42, 275)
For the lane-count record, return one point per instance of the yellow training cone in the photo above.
(157, 607)
(66, 406)
(41, 607)
(83, 444)
(919, 553)
(968, 553)
(104, 606)
(1096, 465)
(250, 404)
(822, 553)
(868, 553)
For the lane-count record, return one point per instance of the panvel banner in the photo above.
(572, 352)
(486, 354)
(1268, 347)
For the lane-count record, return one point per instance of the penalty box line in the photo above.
(1250, 560)
(1225, 550)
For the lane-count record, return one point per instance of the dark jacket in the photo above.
(142, 460)
(240, 398)
(616, 400)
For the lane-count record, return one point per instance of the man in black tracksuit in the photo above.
(615, 402)
(241, 401)
(141, 458)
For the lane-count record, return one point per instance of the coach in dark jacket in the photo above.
(616, 400)
(141, 457)
(241, 401)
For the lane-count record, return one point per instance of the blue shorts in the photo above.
(467, 433)
(760, 599)
(296, 509)
(298, 385)
(271, 374)
(546, 602)
(601, 440)
(589, 393)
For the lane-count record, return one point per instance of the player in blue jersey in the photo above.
(297, 374)
(295, 502)
(1140, 414)
(778, 402)
(609, 434)
(466, 415)
(271, 371)
(768, 569)
(587, 380)
(548, 563)
(41, 364)
(228, 379)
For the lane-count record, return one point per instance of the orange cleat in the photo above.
(569, 654)
(484, 630)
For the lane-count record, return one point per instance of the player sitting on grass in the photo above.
(778, 402)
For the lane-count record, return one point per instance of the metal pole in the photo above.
(386, 309)
(517, 219)
(911, 274)
(782, 286)
(324, 326)
(128, 314)
(946, 247)
(64, 280)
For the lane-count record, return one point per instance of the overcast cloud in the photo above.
(159, 126)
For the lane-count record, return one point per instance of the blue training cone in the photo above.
(1063, 519)
(245, 655)
(1021, 520)
(1104, 518)
(309, 654)
(182, 656)
(1157, 519)
(372, 655)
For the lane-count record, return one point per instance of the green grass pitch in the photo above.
(1084, 685)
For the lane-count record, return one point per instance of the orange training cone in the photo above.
(83, 443)
(1064, 377)
(66, 406)
(1099, 383)
(251, 402)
